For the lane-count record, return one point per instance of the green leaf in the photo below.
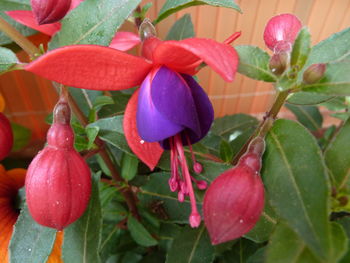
(286, 246)
(309, 116)
(191, 246)
(6, 5)
(337, 157)
(336, 80)
(173, 6)
(301, 48)
(231, 126)
(345, 222)
(91, 133)
(140, 233)
(308, 98)
(21, 136)
(264, 227)
(226, 152)
(334, 48)
(7, 59)
(295, 177)
(241, 251)
(104, 18)
(182, 29)
(85, 98)
(254, 63)
(129, 167)
(111, 131)
(101, 101)
(82, 239)
(31, 242)
(162, 202)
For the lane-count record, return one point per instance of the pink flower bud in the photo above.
(281, 31)
(6, 136)
(314, 73)
(58, 181)
(197, 167)
(234, 201)
(279, 63)
(49, 11)
(195, 219)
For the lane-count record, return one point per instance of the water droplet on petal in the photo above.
(142, 141)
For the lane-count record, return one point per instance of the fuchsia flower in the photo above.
(281, 31)
(169, 111)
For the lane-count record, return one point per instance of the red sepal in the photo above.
(124, 41)
(147, 152)
(184, 56)
(26, 18)
(91, 67)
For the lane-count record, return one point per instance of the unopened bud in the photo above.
(314, 73)
(198, 168)
(147, 30)
(279, 62)
(49, 11)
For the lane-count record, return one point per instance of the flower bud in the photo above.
(281, 31)
(49, 11)
(235, 200)
(147, 30)
(58, 181)
(279, 62)
(6, 136)
(314, 73)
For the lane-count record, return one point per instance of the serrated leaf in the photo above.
(334, 48)
(337, 157)
(21, 136)
(182, 28)
(82, 239)
(156, 196)
(129, 167)
(173, 6)
(301, 48)
(140, 233)
(298, 188)
(6, 5)
(31, 242)
(254, 63)
(308, 98)
(309, 116)
(336, 80)
(104, 18)
(7, 59)
(191, 246)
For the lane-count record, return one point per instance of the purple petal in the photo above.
(172, 97)
(151, 124)
(204, 108)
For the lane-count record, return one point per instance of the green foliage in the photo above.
(172, 6)
(309, 116)
(254, 63)
(7, 59)
(182, 29)
(21, 136)
(30, 242)
(301, 49)
(6, 5)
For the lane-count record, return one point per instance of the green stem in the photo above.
(265, 124)
(17, 37)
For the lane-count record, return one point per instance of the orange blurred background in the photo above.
(29, 98)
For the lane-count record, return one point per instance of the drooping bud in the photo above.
(49, 11)
(58, 181)
(314, 73)
(6, 136)
(234, 201)
(147, 30)
(281, 31)
(279, 63)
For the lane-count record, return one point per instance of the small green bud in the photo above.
(147, 29)
(314, 73)
(279, 62)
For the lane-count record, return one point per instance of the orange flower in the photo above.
(10, 182)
